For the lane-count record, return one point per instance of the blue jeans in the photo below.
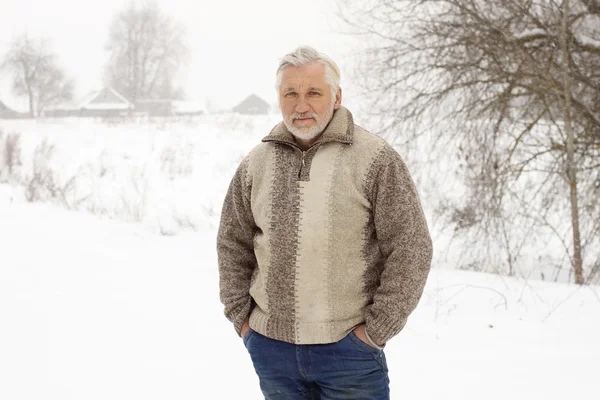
(349, 369)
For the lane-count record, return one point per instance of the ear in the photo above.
(338, 99)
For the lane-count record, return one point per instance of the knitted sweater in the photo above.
(313, 243)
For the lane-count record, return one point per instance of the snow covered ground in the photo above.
(105, 301)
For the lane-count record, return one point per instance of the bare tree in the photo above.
(513, 88)
(36, 74)
(147, 49)
(571, 165)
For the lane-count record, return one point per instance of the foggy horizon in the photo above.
(234, 45)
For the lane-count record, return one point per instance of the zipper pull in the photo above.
(302, 165)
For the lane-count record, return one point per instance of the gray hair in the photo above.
(304, 55)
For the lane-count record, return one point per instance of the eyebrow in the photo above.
(291, 89)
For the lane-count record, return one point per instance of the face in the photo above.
(306, 101)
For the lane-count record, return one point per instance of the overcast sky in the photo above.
(235, 44)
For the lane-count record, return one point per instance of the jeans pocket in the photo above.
(364, 346)
(369, 351)
(247, 336)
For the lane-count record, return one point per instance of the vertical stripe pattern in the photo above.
(283, 236)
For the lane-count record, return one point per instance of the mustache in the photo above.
(312, 115)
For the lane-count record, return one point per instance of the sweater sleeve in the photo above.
(235, 249)
(405, 244)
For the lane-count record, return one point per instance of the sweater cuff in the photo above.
(238, 329)
(378, 347)
(382, 328)
(238, 322)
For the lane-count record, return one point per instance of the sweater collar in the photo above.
(340, 129)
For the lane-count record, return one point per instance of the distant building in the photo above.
(252, 105)
(7, 113)
(105, 103)
(108, 103)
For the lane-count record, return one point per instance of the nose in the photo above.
(302, 105)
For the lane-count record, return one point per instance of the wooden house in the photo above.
(252, 105)
(105, 103)
(8, 113)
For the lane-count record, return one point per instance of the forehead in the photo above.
(306, 75)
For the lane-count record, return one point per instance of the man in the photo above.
(323, 246)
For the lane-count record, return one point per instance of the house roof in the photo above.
(105, 99)
(5, 111)
(4, 107)
(252, 101)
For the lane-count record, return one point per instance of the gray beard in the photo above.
(313, 131)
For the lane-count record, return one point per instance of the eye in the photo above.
(313, 93)
(290, 94)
